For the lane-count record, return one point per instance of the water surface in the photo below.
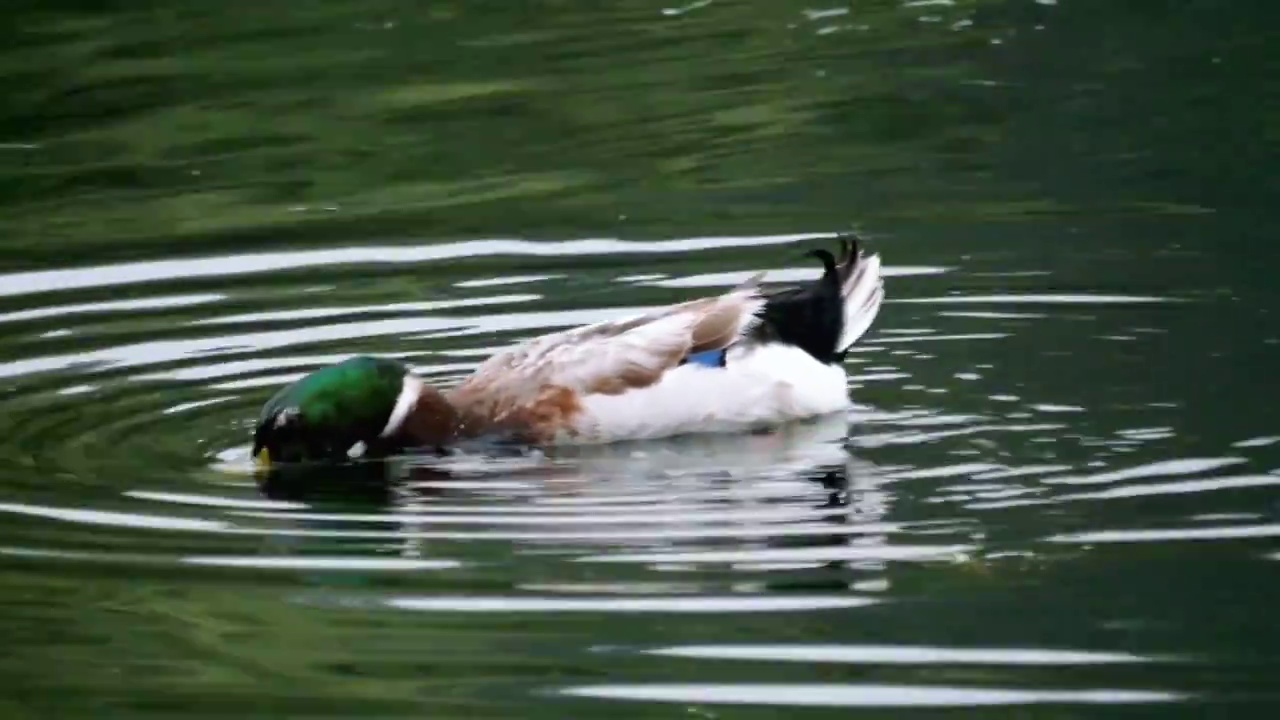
(1055, 498)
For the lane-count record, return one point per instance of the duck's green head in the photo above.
(322, 415)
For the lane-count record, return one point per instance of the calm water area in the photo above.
(1057, 496)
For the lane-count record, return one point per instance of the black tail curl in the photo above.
(811, 316)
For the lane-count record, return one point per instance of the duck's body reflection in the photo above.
(792, 499)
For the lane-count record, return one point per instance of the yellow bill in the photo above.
(262, 459)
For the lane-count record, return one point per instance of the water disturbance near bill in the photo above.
(1057, 494)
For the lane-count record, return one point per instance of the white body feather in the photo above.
(762, 385)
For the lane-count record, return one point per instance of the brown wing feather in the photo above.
(716, 329)
(608, 358)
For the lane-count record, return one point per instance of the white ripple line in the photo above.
(116, 519)
(818, 554)
(1168, 534)
(898, 654)
(851, 695)
(641, 533)
(285, 562)
(696, 604)
(164, 302)
(646, 517)
(26, 283)
(1180, 466)
(779, 275)
(1257, 442)
(1175, 488)
(213, 501)
(1048, 298)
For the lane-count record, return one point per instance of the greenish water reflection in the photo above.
(1057, 498)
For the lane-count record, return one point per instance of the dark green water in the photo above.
(1059, 493)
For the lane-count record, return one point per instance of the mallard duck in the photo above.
(746, 359)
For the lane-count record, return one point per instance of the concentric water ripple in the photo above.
(983, 461)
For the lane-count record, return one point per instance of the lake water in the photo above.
(1057, 497)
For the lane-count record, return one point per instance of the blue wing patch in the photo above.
(710, 358)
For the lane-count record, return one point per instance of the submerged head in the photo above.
(322, 415)
(331, 412)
